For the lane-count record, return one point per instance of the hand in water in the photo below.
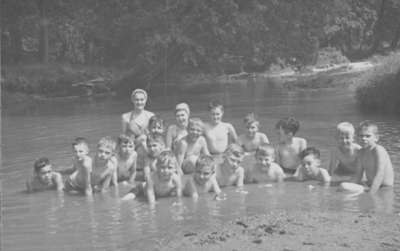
(129, 196)
(220, 196)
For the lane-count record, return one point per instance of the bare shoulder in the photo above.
(381, 152)
(300, 140)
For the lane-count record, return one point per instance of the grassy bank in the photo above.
(378, 90)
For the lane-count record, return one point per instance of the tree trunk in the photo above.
(378, 27)
(44, 33)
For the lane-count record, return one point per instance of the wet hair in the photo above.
(265, 150)
(289, 124)
(251, 118)
(369, 124)
(215, 104)
(165, 158)
(155, 138)
(205, 160)
(108, 142)
(123, 138)
(196, 122)
(156, 120)
(344, 127)
(235, 150)
(40, 163)
(80, 141)
(310, 151)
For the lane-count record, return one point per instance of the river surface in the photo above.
(49, 221)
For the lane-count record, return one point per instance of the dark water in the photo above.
(47, 221)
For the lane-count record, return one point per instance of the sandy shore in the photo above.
(296, 230)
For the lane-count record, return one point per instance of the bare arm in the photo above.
(232, 133)
(326, 178)
(240, 177)
(264, 139)
(58, 181)
(178, 184)
(204, 147)
(303, 145)
(132, 169)
(87, 170)
(169, 136)
(360, 170)
(380, 169)
(150, 191)
(280, 175)
(215, 185)
(182, 148)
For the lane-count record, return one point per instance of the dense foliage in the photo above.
(151, 37)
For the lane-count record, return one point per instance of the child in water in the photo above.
(105, 165)
(310, 167)
(289, 146)
(203, 179)
(373, 161)
(155, 145)
(229, 172)
(265, 169)
(44, 178)
(343, 159)
(218, 134)
(252, 138)
(164, 182)
(191, 146)
(127, 158)
(156, 127)
(80, 179)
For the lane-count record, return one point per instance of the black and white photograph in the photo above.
(200, 125)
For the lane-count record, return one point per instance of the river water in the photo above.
(49, 221)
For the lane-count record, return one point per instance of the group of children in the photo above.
(202, 158)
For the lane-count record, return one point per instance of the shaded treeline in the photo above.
(152, 37)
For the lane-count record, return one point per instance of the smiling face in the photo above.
(368, 137)
(156, 128)
(203, 174)
(194, 131)
(311, 165)
(80, 151)
(139, 101)
(345, 139)
(233, 161)
(166, 170)
(216, 115)
(265, 161)
(182, 117)
(45, 174)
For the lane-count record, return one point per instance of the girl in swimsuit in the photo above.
(136, 121)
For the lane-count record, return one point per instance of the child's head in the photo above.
(234, 155)
(43, 170)
(155, 145)
(204, 169)
(368, 134)
(166, 165)
(126, 144)
(139, 98)
(265, 155)
(80, 147)
(182, 113)
(217, 111)
(345, 134)
(310, 160)
(287, 127)
(195, 128)
(106, 148)
(252, 124)
(156, 125)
